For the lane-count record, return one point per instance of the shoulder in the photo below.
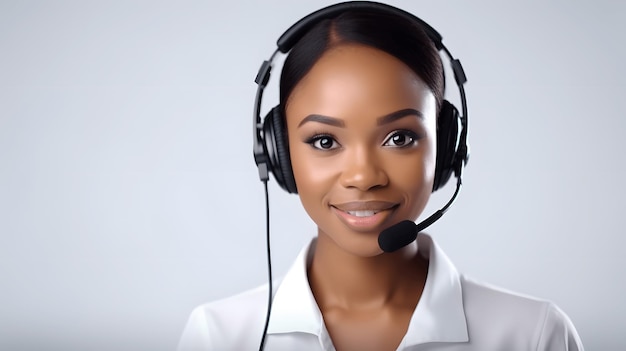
(516, 319)
(233, 323)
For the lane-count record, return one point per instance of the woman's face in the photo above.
(361, 128)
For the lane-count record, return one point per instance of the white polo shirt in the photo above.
(454, 313)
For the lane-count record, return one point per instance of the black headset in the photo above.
(270, 144)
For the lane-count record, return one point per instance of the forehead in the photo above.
(357, 79)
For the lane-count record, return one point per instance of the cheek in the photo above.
(414, 177)
(316, 179)
(314, 176)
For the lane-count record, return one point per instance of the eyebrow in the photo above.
(388, 118)
(323, 119)
(394, 116)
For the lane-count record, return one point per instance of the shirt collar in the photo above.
(294, 308)
(438, 317)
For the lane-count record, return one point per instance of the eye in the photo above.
(401, 138)
(323, 142)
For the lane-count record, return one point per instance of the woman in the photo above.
(361, 94)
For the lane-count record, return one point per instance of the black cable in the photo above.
(269, 266)
(459, 183)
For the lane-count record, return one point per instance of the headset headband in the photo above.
(298, 29)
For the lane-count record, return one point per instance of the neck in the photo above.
(341, 279)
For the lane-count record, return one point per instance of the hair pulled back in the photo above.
(395, 35)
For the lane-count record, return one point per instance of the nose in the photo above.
(363, 170)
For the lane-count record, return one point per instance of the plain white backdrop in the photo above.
(128, 193)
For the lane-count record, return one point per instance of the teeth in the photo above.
(362, 213)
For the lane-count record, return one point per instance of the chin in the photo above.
(355, 243)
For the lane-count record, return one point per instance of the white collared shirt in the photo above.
(453, 314)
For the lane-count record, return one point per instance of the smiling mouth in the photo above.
(364, 215)
(364, 208)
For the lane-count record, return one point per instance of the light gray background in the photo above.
(128, 194)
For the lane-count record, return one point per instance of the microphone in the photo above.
(405, 232)
(401, 234)
(397, 236)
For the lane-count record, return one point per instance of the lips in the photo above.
(363, 215)
(364, 206)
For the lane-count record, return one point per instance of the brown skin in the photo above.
(366, 297)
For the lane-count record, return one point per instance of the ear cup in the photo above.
(277, 149)
(447, 134)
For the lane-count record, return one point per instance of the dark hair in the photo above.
(395, 35)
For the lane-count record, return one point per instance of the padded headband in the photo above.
(298, 29)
